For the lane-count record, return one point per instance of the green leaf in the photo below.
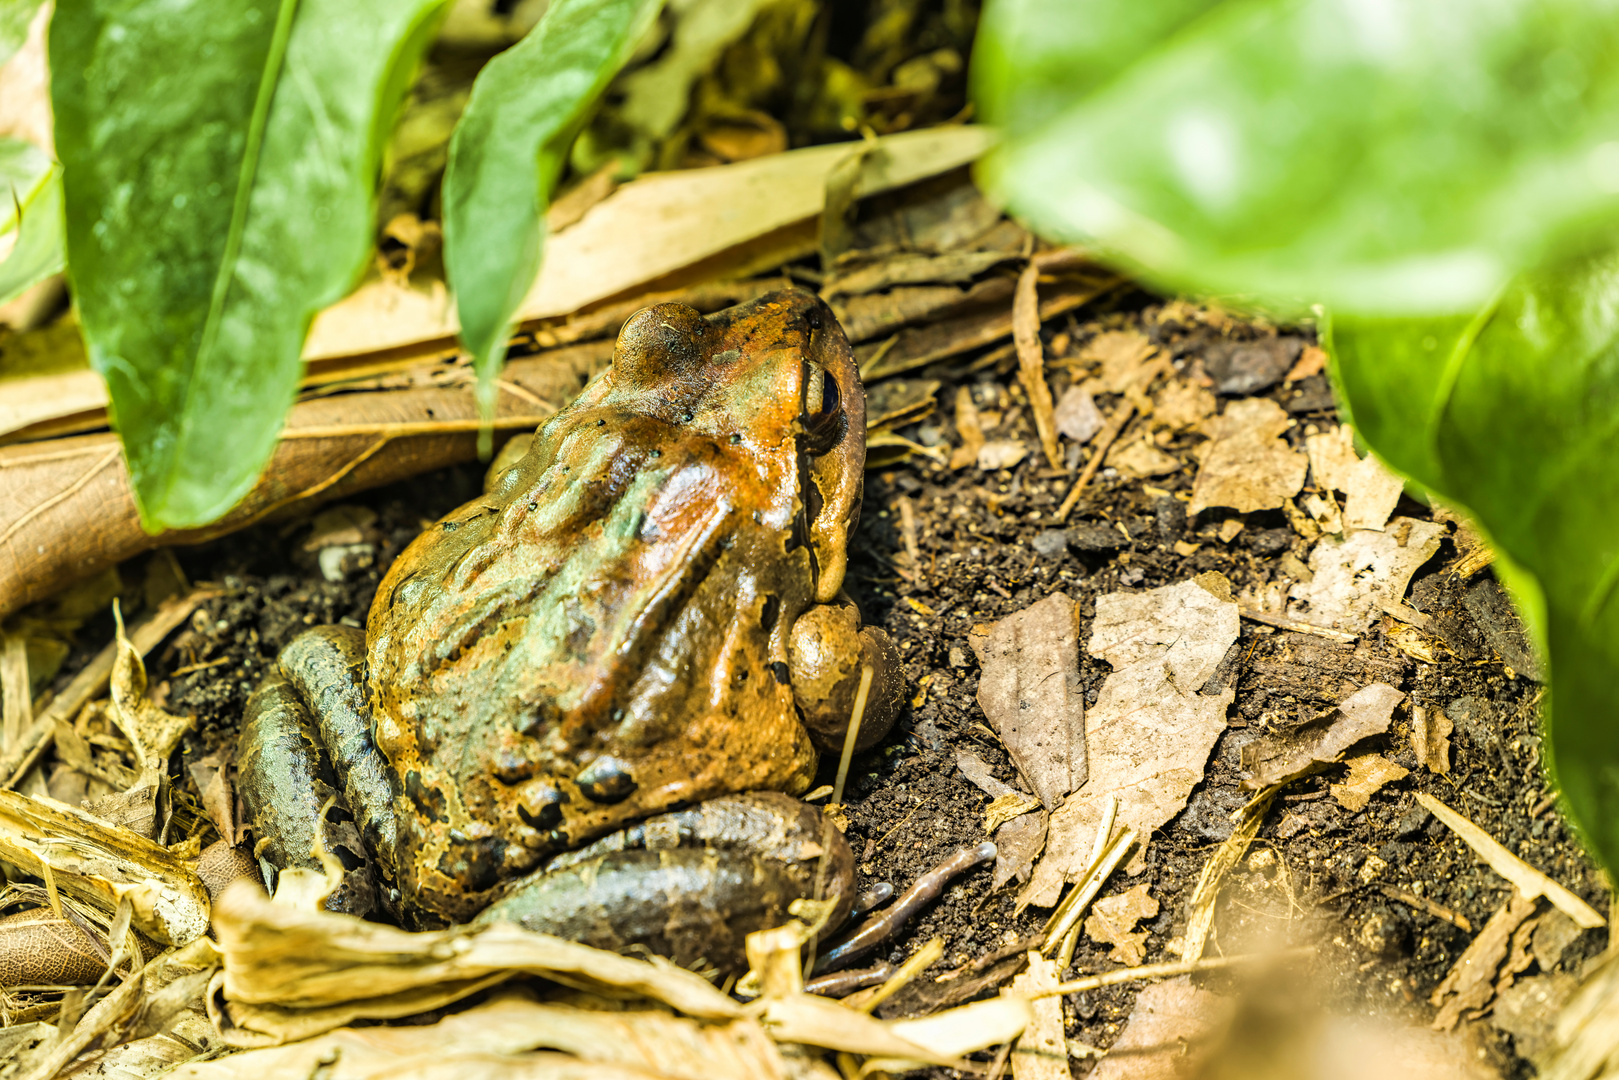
(15, 15)
(220, 162)
(1405, 157)
(526, 106)
(1514, 413)
(30, 185)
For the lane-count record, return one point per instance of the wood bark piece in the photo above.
(1248, 465)
(1029, 690)
(1149, 735)
(1276, 759)
(67, 511)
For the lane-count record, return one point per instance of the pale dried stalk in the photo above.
(1032, 361)
(1226, 856)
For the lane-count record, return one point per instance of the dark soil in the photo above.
(983, 556)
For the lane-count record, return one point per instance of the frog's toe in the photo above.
(827, 654)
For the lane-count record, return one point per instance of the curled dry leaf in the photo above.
(969, 428)
(38, 948)
(1371, 490)
(1284, 756)
(1030, 692)
(1248, 465)
(1032, 361)
(1470, 984)
(153, 732)
(1355, 577)
(1120, 355)
(1149, 735)
(1017, 844)
(102, 864)
(291, 973)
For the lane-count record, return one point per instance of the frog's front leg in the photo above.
(690, 884)
(306, 739)
(826, 653)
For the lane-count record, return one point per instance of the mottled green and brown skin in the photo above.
(632, 618)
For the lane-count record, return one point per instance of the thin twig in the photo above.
(1283, 623)
(1104, 442)
(1165, 971)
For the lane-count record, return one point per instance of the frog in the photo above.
(590, 695)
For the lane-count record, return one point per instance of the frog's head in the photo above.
(775, 380)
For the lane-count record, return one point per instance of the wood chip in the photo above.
(1529, 881)
(1030, 692)
(1430, 738)
(1248, 466)
(1278, 758)
(969, 428)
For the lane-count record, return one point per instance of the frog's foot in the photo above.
(826, 653)
(306, 739)
(691, 884)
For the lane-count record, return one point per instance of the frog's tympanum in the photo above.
(641, 622)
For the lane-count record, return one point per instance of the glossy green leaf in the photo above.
(220, 161)
(1513, 412)
(1402, 157)
(30, 216)
(505, 156)
(15, 15)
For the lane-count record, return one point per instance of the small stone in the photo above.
(1001, 454)
(958, 659)
(1372, 869)
(1094, 536)
(1051, 543)
(1077, 416)
(339, 561)
(1412, 822)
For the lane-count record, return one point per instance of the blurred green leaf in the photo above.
(220, 162)
(1513, 412)
(1405, 157)
(505, 156)
(30, 186)
(15, 15)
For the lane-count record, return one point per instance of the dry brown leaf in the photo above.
(38, 948)
(1430, 738)
(1368, 773)
(1470, 984)
(1182, 405)
(1359, 574)
(1149, 735)
(969, 428)
(978, 771)
(912, 268)
(1138, 457)
(1248, 466)
(1529, 881)
(1008, 807)
(1113, 922)
(1172, 1031)
(1332, 457)
(1017, 844)
(1077, 416)
(1121, 355)
(153, 732)
(1312, 361)
(1371, 490)
(1041, 1053)
(1284, 756)
(1030, 692)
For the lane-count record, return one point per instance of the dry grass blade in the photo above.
(102, 865)
(1032, 361)
(1530, 882)
(1180, 967)
(292, 973)
(1229, 853)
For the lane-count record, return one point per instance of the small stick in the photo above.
(1067, 916)
(927, 889)
(1283, 623)
(1104, 442)
(1422, 903)
(1164, 971)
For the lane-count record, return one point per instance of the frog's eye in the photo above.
(660, 341)
(823, 410)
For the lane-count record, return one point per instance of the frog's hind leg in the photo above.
(690, 884)
(306, 738)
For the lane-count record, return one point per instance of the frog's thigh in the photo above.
(691, 884)
(826, 652)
